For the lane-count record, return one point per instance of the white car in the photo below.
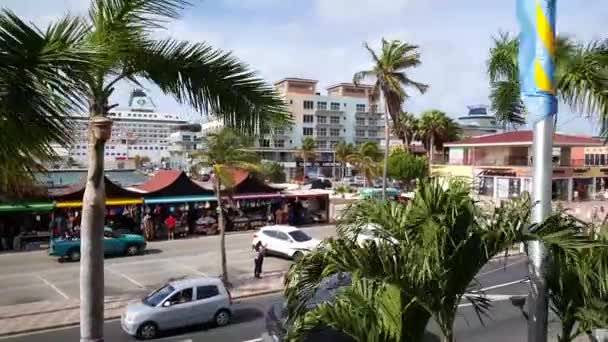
(367, 234)
(284, 240)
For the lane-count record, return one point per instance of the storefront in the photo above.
(25, 225)
(306, 206)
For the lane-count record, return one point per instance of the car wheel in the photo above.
(222, 318)
(147, 331)
(297, 256)
(132, 250)
(74, 255)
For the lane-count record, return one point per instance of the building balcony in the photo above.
(327, 112)
(506, 162)
(329, 125)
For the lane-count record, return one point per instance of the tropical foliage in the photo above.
(225, 151)
(273, 172)
(406, 167)
(580, 75)
(390, 71)
(435, 128)
(343, 150)
(405, 127)
(307, 152)
(366, 159)
(421, 266)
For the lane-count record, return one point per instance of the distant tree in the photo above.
(343, 150)
(406, 128)
(307, 152)
(273, 172)
(435, 128)
(140, 161)
(406, 167)
(367, 160)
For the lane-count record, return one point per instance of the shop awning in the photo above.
(306, 193)
(178, 199)
(256, 196)
(27, 207)
(77, 204)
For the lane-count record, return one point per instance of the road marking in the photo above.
(51, 285)
(494, 298)
(254, 340)
(138, 284)
(497, 286)
(501, 268)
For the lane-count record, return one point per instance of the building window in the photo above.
(372, 134)
(374, 108)
(264, 143)
(372, 122)
(321, 105)
(334, 120)
(308, 118)
(322, 144)
(360, 133)
(335, 106)
(322, 132)
(360, 121)
(334, 132)
(360, 108)
(322, 119)
(308, 105)
(307, 131)
(279, 143)
(333, 144)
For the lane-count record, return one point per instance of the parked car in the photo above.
(113, 244)
(179, 303)
(276, 322)
(283, 240)
(367, 234)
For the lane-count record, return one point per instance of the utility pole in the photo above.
(536, 67)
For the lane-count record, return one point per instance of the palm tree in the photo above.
(307, 152)
(391, 80)
(578, 77)
(120, 44)
(435, 128)
(224, 152)
(366, 159)
(420, 264)
(406, 127)
(343, 150)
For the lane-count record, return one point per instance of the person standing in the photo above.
(170, 222)
(258, 261)
(148, 227)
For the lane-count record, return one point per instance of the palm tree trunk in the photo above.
(91, 239)
(303, 169)
(222, 225)
(386, 147)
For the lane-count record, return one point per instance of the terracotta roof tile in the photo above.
(160, 180)
(524, 138)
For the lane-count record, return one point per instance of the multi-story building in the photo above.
(182, 142)
(343, 114)
(139, 130)
(479, 121)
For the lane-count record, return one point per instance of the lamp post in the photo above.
(536, 67)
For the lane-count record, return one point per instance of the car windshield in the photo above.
(158, 296)
(299, 236)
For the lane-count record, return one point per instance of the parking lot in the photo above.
(34, 276)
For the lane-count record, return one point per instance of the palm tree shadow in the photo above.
(430, 337)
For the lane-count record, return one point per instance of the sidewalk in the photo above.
(22, 318)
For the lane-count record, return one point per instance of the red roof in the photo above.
(161, 179)
(524, 138)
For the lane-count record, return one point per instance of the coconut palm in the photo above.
(435, 128)
(579, 77)
(421, 264)
(224, 151)
(343, 150)
(307, 152)
(124, 39)
(389, 70)
(367, 160)
(406, 127)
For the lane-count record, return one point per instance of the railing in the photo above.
(510, 161)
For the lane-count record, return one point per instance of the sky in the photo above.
(323, 40)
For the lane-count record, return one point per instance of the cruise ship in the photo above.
(137, 131)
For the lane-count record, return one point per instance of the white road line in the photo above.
(497, 286)
(254, 340)
(138, 284)
(494, 298)
(501, 268)
(51, 285)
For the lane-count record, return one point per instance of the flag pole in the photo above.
(536, 63)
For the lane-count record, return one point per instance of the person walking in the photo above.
(258, 261)
(170, 222)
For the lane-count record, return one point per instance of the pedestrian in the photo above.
(148, 227)
(258, 261)
(170, 222)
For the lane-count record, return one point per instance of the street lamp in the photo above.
(536, 67)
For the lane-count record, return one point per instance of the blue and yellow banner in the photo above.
(537, 56)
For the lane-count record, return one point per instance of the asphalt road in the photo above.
(505, 323)
(27, 277)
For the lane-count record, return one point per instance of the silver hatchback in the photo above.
(178, 304)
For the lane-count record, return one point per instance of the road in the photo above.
(34, 276)
(505, 324)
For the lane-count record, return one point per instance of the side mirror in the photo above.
(167, 304)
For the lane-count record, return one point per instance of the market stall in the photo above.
(306, 206)
(24, 225)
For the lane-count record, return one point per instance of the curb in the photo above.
(114, 317)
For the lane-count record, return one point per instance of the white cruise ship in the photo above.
(137, 131)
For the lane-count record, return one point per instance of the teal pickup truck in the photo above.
(113, 244)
